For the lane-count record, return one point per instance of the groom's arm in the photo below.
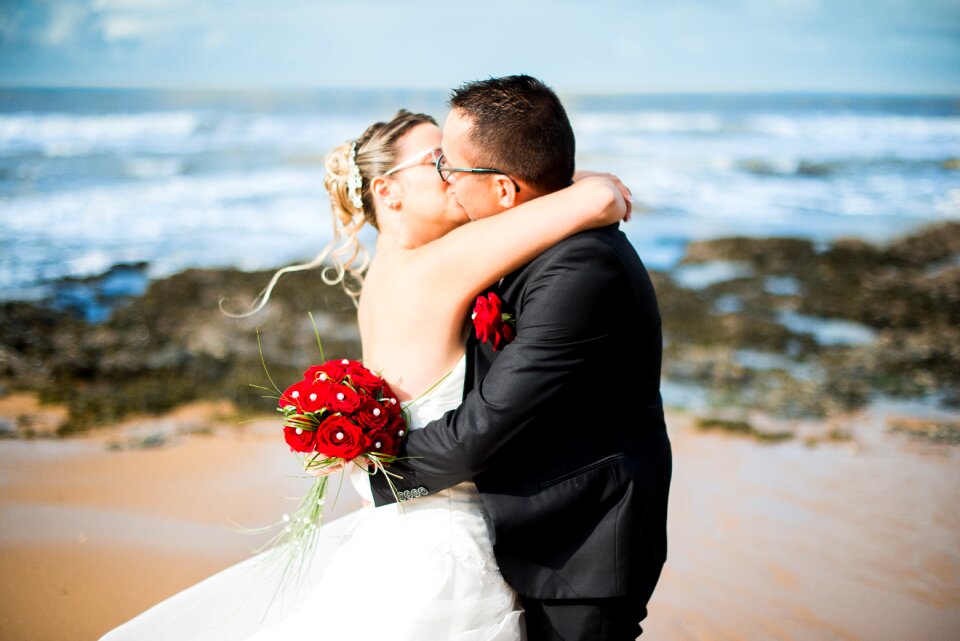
(570, 305)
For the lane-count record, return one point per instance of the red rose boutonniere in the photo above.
(491, 323)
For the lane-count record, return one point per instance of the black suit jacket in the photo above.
(562, 430)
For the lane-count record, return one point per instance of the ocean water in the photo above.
(175, 179)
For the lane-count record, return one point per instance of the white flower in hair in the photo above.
(354, 182)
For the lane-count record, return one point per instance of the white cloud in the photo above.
(214, 39)
(120, 27)
(784, 8)
(136, 5)
(65, 21)
(682, 44)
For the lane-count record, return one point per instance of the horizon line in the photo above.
(570, 92)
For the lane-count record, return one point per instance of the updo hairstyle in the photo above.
(375, 154)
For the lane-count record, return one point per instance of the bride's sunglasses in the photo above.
(426, 157)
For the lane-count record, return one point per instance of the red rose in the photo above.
(397, 428)
(388, 400)
(382, 442)
(305, 396)
(333, 370)
(372, 416)
(491, 323)
(507, 331)
(338, 437)
(305, 441)
(361, 377)
(343, 399)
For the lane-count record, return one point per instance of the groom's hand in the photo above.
(624, 190)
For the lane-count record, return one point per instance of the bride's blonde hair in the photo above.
(375, 154)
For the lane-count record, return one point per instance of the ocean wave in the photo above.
(62, 135)
(741, 197)
(153, 167)
(659, 122)
(850, 126)
(70, 135)
(236, 186)
(839, 126)
(248, 220)
(819, 168)
(948, 206)
(248, 200)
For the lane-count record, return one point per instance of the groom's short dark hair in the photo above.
(521, 128)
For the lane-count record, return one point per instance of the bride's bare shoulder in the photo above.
(400, 277)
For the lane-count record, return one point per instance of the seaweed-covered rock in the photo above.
(768, 255)
(751, 337)
(857, 318)
(929, 247)
(173, 344)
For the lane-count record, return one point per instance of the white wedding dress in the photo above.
(419, 570)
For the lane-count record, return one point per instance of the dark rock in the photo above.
(173, 345)
(938, 431)
(929, 247)
(742, 428)
(907, 295)
(767, 255)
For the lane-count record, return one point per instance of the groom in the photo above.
(561, 429)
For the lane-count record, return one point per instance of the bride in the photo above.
(421, 569)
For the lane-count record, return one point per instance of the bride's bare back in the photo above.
(410, 332)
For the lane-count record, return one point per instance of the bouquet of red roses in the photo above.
(339, 413)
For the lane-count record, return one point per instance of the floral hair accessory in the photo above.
(355, 181)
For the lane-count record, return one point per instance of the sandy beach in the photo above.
(855, 540)
(804, 247)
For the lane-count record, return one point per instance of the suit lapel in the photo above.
(480, 356)
(470, 379)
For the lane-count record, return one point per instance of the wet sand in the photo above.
(854, 541)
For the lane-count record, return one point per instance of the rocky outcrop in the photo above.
(172, 345)
(777, 324)
(772, 336)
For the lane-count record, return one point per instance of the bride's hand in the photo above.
(320, 471)
(324, 471)
(623, 189)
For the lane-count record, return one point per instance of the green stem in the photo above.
(316, 333)
(264, 363)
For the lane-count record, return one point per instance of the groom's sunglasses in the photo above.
(445, 172)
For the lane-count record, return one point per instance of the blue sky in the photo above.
(885, 46)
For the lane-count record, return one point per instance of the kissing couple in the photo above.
(530, 497)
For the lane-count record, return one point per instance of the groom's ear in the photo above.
(505, 191)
